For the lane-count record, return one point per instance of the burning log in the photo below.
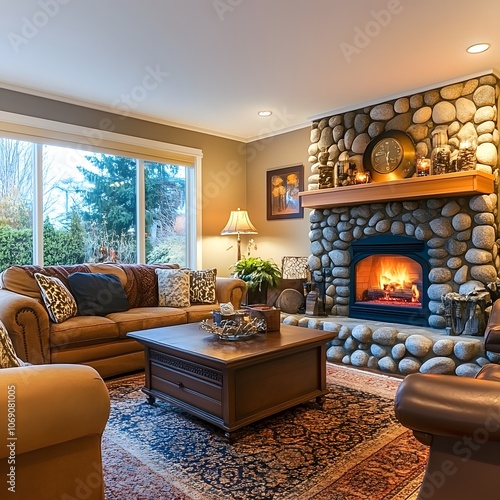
(374, 294)
(406, 295)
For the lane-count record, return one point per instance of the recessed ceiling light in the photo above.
(478, 48)
(265, 113)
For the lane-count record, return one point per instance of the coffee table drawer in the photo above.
(199, 390)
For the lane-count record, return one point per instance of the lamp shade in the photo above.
(239, 223)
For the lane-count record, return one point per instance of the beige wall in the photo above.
(223, 164)
(277, 238)
(227, 183)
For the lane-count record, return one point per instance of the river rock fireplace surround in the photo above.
(452, 239)
(446, 225)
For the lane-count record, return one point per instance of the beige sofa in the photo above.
(52, 418)
(97, 341)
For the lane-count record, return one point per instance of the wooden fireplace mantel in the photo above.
(469, 183)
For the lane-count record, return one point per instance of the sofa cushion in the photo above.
(173, 287)
(199, 312)
(98, 294)
(82, 331)
(202, 286)
(143, 318)
(104, 356)
(8, 357)
(58, 300)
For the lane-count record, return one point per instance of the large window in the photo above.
(62, 204)
(17, 160)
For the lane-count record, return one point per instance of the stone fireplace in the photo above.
(440, 231)
(453, 241)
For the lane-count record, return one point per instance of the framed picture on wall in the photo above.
(282, 193)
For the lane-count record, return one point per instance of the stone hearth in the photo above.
(398, 349)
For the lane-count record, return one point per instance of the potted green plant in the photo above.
(259, 274)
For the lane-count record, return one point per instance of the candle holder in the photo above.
(423, 167)
(362, 178)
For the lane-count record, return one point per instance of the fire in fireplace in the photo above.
(393, 280)
(389, 279)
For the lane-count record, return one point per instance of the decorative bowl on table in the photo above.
(237, 316)
(242, 328)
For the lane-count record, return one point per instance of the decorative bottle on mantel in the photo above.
(441, 154)
(467, 155)
(325, 171)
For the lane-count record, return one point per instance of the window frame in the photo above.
(41, 131)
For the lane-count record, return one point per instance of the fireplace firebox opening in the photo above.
(393, 280)
(389, 280)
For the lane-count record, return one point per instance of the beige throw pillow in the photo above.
(173, 287)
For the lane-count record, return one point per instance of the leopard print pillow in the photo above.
(8, 357)
(57, 298)
(173, 287)
(202, 286)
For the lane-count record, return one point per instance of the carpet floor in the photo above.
(350, 448)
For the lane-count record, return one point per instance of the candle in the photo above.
(361, 178)
(423, 167)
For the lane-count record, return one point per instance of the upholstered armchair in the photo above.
(459, 419)
(51, 422)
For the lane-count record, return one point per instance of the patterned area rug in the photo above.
(350, 448)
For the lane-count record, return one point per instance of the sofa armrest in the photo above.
(27, 322)
(47, 405)
(230, 290)
(447, 405)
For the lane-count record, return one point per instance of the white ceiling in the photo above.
(211, 65)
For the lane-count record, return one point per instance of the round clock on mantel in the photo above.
(390, 156)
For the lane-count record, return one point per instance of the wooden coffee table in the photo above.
(234, 383)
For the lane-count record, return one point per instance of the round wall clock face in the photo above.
(386, 155)
(390, 156)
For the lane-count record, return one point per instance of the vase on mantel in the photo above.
(466, 159)
(441, 153)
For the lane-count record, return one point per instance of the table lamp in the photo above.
(239, 223)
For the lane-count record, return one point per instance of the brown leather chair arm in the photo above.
(230, 290)
(494, 318)
(447, 405)
(490, 372)
(492, 332)
(49, 405)
(27, 322)
(492, 339)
